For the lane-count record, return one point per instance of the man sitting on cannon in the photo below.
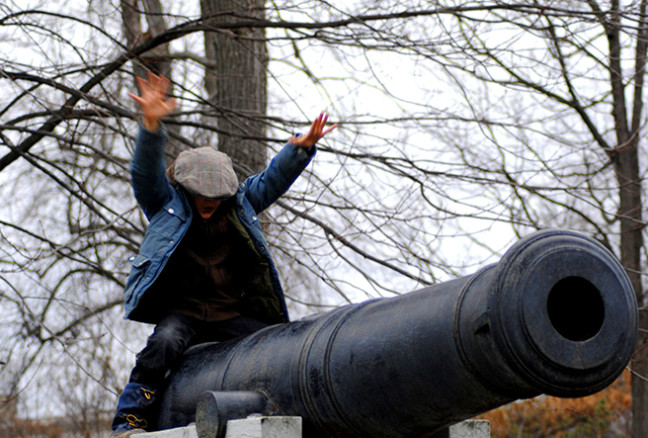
(203, 272)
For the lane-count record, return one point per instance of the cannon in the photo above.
(556, 315)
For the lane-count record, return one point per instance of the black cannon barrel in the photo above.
(556, 315)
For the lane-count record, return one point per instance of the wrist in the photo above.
(299, 140)
(150, 124)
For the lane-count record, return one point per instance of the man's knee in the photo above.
(174, 330)
(168, 341)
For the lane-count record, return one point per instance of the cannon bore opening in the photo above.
(576, 309)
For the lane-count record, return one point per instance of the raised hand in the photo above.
(317, 131)
(153, 101)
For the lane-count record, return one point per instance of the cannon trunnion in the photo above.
(556, 315)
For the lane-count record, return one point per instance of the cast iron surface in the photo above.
(556, 315)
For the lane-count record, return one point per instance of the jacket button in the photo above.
(254, 218)
(170, 242)
(131, 258)
(171, 211)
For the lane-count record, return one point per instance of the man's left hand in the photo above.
(317, 130)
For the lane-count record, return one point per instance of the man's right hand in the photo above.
(153, 101)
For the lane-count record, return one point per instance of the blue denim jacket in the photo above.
(169, 213)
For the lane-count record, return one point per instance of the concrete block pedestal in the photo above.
(259, 426)
(179, 432)
(470, 429)
(265, 427)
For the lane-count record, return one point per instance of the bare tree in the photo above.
(462, 125)
(235, 80)
(577, 72)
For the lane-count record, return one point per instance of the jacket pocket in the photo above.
(167, 221)
(139, 264)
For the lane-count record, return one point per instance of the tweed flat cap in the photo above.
(206, 173)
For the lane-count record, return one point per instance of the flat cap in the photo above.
(206, 173)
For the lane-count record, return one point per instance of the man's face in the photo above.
(206, 207)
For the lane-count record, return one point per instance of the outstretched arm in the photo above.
(286, 166)
(153, 101)
(148, 178)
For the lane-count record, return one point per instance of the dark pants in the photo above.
(175, 334)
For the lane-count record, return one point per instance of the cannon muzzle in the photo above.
(557, 315)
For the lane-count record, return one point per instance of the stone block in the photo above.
(471, 429)
(258, 426)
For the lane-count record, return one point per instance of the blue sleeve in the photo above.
(266, 187)
(148, 173)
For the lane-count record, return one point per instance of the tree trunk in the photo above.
(626, 164)
(237, 83)
(630, 213)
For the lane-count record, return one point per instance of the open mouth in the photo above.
(206, 213)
